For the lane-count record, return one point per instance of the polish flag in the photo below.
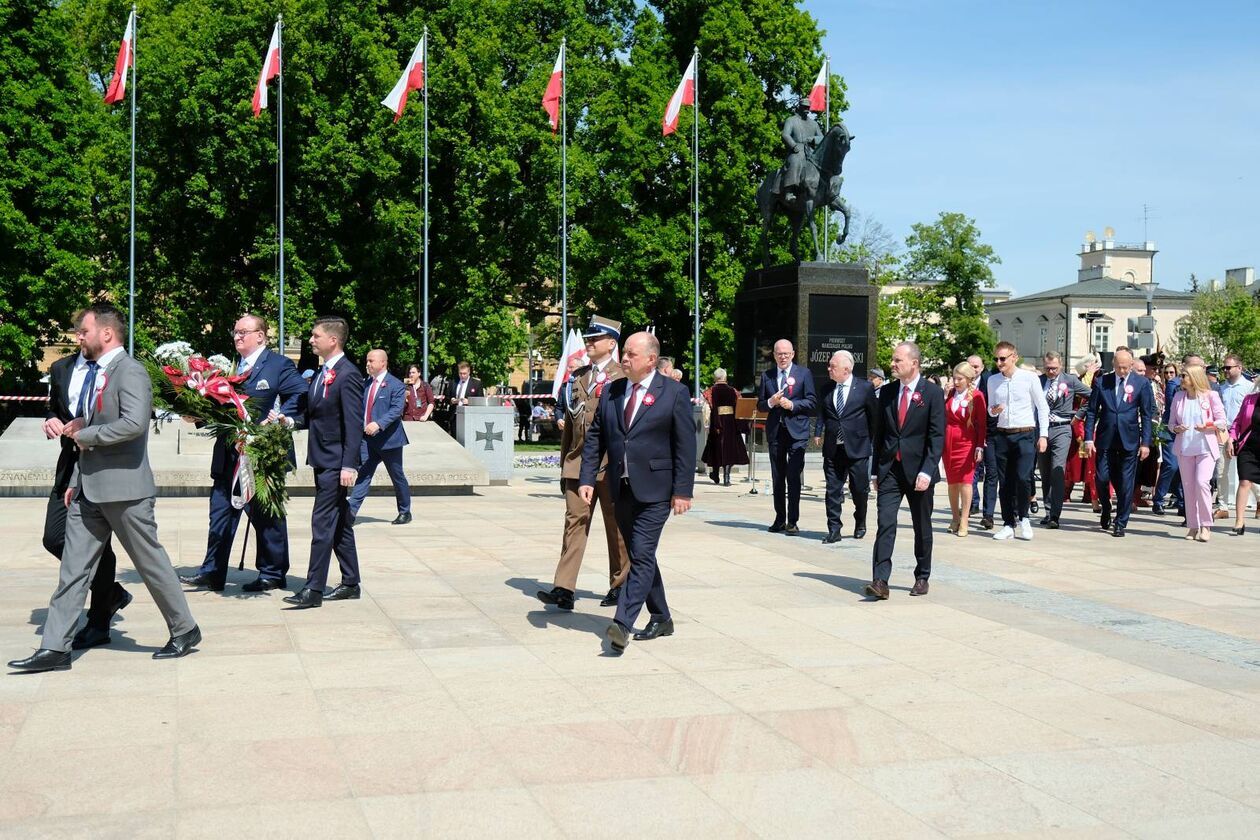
(412, 78)
(551, 99)
(574, 348)
(818, 96)
(125, 61)
(685, 95)
(270, 69)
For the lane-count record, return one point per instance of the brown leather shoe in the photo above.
(920, 587)
(878, 589)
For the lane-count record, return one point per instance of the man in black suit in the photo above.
(909, 438)
(458, 390)
(334, 420)
(786, 396)
(1118, 422)
(272, 383)
(72, 380)
(845, 427)
(644, 426)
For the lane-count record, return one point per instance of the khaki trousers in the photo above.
(577, 526)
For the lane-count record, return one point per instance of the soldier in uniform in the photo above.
(800, 135)
(587, 385)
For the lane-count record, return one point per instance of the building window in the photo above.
(1102, 337)
(1045, 340)
(1059, 336)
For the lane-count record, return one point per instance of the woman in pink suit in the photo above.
(1244, 444)
(965, 423)
(1196, 417)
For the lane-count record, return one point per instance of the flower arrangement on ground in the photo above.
(188, 383)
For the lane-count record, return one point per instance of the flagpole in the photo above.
(425, 329)
(695, 167)
(280, 165)
(826, 192)
(131, 257)
(564, 191)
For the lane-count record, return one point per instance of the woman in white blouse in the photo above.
(1197, 418)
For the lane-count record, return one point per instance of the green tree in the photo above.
(1222, 321)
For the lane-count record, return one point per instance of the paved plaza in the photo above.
(1075, 686)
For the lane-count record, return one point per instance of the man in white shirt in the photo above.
(1233, 390)
(1017, 401)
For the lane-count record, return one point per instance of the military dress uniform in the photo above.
(580, 402)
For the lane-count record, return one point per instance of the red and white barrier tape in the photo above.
(23, 399)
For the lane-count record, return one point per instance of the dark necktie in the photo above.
(840, 399)
(87, 391)
(629, 413)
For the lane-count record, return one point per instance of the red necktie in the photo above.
(903, 407)
(367, 413)
(634, 389)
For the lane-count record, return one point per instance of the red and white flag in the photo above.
(270, 69)
(412, 78)
(574, 348)
(684, 95)
(125, 61)
(818, 96)
(551, 99)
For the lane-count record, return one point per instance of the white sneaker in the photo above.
(1006, 533)
(1025, 529)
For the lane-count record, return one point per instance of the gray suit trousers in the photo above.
(88, 528)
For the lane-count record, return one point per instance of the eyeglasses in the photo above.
(1231, 367)
(1051, 369)
(1002, 359)
(239, 333)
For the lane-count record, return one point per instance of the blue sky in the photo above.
(1041, 120)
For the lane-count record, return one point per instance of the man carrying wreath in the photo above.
(272, 383)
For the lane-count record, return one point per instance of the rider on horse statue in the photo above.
(801, 135)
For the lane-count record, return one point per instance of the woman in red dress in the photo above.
(965, 421)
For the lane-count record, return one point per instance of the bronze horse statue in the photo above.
(820, 188)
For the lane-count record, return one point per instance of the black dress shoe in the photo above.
(202, 581)
(1157, 509)
(713, 474)
(90, 637)
(43, 660)
(121, 599)
(859, 532)
(1033, 507)
(833, 537)
(617, 636)
(306, 599)
(611, 599)
(557, 597)
(655, 629)
(263, 584)
(1118, 532)
(1046, 520)
(1105, 522)
(180, 645)
(401, 519)
(344, 592)
(776, 527)
(986, 522)
(1053, 524)
(791, 530)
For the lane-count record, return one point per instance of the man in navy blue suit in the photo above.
(272, 384)
(845, 426)
(334, 423)
(645, 427)
(786, 396)
(1118, 426)
(383, 435)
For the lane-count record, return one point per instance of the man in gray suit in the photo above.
(1062, 389)
(111, 492)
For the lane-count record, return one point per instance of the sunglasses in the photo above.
(1002, 359)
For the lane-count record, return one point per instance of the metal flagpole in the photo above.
(695, 168)
(280, 166)
(564, 196)
(827, 128)
(131, 260)
(425, 328)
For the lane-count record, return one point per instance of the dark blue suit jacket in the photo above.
(334, 421)
(387, 413)
(659, 447)
(1113, 423)
(858, 421)
(801, 393)
(273, 383)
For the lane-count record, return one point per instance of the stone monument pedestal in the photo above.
(488, 433)
(819, 307)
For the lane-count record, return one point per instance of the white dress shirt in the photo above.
(1022, 400)
(638, 392)
(75, 387)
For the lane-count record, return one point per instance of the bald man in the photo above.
(786, 397)
(384, 396)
